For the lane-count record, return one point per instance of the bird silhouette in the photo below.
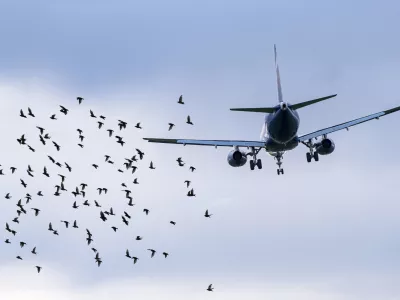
(63, 110)
(21, 114)
(30, 113)
(152, 252)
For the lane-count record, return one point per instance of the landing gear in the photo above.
(255, 162)
(311, 154)
(279, 157)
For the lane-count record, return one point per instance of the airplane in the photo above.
(279, 133)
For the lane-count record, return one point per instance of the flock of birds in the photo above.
(80, 191)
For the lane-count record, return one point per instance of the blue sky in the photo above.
(324, 230)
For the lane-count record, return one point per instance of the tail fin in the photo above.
(280, 97)
(278, 77)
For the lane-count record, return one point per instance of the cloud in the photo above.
(53, 284)
(264, 228)
(324, 229)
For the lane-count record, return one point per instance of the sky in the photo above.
(325, 230)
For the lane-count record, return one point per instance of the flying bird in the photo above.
(189, 121)
(152, 252)
(80, 99)
(30, 113)
(21, 114)
(180, 100)
(63, 110)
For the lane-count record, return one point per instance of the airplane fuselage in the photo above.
(280, 128)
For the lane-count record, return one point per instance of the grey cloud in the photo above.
(315, 224)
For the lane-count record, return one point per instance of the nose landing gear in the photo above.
(279, 157)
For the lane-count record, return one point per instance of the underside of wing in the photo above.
(216, 143)
(346, 125)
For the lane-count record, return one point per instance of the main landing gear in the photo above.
(255, 162)
(279, 157)
(311, 154)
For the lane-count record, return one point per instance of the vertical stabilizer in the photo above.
(278, 77)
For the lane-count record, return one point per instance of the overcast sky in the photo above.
(326, 230)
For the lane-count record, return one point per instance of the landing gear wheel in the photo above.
(252, 165)
(279, 171)
(259, 164)
(316, 157)
(309, 157)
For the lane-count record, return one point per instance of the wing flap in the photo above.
(216, 143)
(347, 124)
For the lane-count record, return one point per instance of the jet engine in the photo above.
(325, 147)
(237, 158)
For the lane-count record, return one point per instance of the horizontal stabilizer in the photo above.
(267, 110)
(306, 103)
(270, 110)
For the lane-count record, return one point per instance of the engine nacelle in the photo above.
(325, 147)
(237, 158)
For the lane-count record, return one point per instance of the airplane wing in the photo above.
(216, 143)
(346, 125)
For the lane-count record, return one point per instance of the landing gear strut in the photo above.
(311, 154)
(279, 158)
(255, 162)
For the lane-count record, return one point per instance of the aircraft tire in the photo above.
(316, 156)
(252, 165)
(309, 157)
(259, 164)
